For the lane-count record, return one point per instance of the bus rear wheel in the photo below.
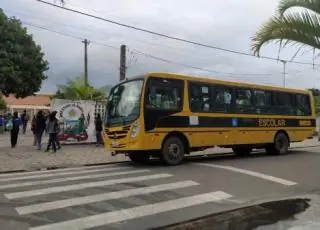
(242, 151)
(173, 150)
(140, 158)
(280, 145)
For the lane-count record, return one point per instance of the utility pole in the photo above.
(86, 43)
(123, 66)
(284, 72)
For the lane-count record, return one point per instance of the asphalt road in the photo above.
(127, 196)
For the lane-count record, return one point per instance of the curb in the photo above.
(303, 147)
(105, 163)
(61, 167)
(13, 171)
(118, 162)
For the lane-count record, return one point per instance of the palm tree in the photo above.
(77, 90)
(291, 28)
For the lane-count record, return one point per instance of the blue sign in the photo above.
(234, 122)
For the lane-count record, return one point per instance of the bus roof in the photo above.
(233, 83)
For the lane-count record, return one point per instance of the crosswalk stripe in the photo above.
(91, 176)
(57, 189)
(251, 173)
(47, 206)
(41, 172)
(135, 212)
(62, 173)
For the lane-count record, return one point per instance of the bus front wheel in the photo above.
(173, 150)
(280, 145)
(141, 158)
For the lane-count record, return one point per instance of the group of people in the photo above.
(41, 123)
(6, 122)
(45, 123)
(12, 123)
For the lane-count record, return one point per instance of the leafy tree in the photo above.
(315, 92)
(76, 90)
(3, 104)
(22, 63)
(106, 89)
(316, 95)
(295, 28)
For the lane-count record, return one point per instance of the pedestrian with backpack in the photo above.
(52, 129)
(15, 126)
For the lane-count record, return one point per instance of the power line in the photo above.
(171, 37)
(88, 29)
(152, 56)
(186, 65)
(195, 67)
(51, 30)
(145, 42)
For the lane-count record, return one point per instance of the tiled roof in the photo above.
(39, 99)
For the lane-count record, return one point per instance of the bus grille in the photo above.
(118, 134)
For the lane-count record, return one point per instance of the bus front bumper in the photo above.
(122, 146)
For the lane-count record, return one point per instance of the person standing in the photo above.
(52, 130)
(24, 120)
(98, 126)
(2, 125)
(16, 122)
(39, 129)
(33, 130)
(58, 131)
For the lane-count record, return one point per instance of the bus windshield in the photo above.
(124, 103)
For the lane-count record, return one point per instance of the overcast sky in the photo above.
(227, 24)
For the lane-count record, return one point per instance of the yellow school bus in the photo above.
(169, 115)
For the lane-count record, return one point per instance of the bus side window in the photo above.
(283, 103)
(244, 101)
(164, 97)
(263, 102)
(200, 98)
(302, 105)
(222, 99)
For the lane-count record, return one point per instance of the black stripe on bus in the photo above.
(222, 122)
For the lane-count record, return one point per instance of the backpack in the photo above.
(9, 125)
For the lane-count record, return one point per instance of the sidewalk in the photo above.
(26, 157)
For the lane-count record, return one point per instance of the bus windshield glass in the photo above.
(124, 103)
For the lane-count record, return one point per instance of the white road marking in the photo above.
(57, 189)
(135, 212)
(54, 173)
(41, 207)
(6, 175)
(251, 173)
(32, 183)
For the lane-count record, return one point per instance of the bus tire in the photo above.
(280, 146)
(173, 150)
(140, 158)
(242, 151)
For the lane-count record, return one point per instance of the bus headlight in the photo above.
(135, 129)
